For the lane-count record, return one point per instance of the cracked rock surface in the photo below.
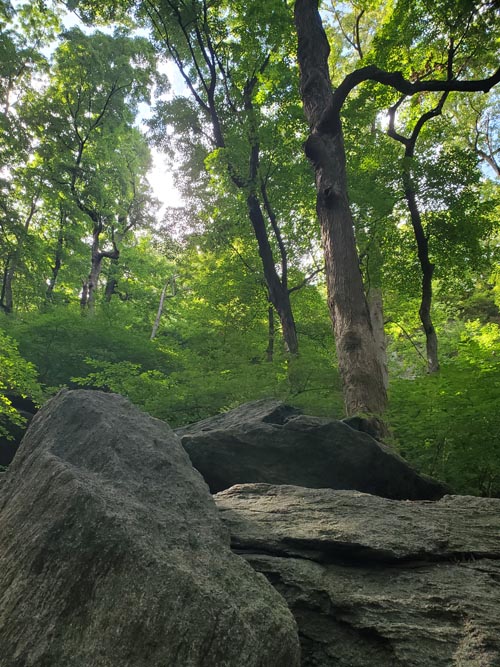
(376, 582)
(112, 552)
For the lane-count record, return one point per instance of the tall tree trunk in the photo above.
(7, 302)
(421, 239)
(57, 258)
(200, 42)
(4, 281)
(427, 268)
(277, 286)
(163, 296)
(8, 279)
(88, 293)
(359, 365)
(376, 308)
(278, 292)
(111, 281)
(87, 299)
(270, 334)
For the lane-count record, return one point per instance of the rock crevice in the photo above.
(373, 581)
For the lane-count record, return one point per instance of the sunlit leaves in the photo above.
(17, 377)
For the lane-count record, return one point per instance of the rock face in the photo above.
(269, 442)
(376, 582)
(112, 552)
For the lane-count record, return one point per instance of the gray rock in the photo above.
(266, 410)
(112, 552)
(295, 521)
(268, 442)
(373, 581)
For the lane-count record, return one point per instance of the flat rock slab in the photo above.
(295, 521)
(268, 442)
(112, 552)
(373, 581)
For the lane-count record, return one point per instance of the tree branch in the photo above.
(306, 280)
(397, 81)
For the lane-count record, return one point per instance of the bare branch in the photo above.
(306, 280)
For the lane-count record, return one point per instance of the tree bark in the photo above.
(163, 296)
(87, 299)
(427, 268)
(270, 334)
(7, 300)
(421, 238)
(6, 294)
(9, 273)
(361, 373)
(57, 258)
(376, 308)
(278, 292)
(111, 281)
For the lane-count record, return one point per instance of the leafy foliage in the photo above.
(17, 377)
(448, 424)
(73, 185)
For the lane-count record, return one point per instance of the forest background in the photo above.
(193, 309)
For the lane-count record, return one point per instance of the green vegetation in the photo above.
(192, 310)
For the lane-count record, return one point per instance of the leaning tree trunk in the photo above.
(421, 238)
(427, 268)
(163, 296)
(278, 292)
(359, 365)
(277, 288)
(211, 74)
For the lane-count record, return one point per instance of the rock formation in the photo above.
(112, 553)
(272, 443)
(376, 582)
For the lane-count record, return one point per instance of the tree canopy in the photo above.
(339, 167)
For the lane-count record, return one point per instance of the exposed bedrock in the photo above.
(376, 582)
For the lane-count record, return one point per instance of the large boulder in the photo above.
(269, 442)
(112, 552)
(373, 581)
(265, 410)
